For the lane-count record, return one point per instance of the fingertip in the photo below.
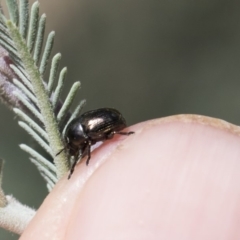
(153, 184)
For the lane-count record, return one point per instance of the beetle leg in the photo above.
(72, 167)
(125, 133)
(88, 152)
(111, 134)
(76, 158)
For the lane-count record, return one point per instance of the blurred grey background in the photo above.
(147, 58)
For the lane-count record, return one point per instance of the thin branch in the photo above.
(38, 157)
(43, 101)
(49, 176)
(47, 52)
(13, 10)
(23, 17)
(56, 95)
(53, 72)
(75, 114)
(78, 109)
(31, 123)
(25, 90)
(39, 39)
(4, 36)
(36, 137)
(8, 47)
(3, 200)
(15, 216)
(68, 101)
(29, 106)
(44, 104)
(33, 26)
(22, 77)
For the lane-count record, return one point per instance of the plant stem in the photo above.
(41, 94)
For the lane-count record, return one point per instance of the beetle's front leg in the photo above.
(73, 166)
(125, 133)
(89, 152)
(76, 159)
(111, 134)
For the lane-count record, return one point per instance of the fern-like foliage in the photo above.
(24, 87)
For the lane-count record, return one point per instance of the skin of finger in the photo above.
(176, 178)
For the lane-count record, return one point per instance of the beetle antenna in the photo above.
(61, 151)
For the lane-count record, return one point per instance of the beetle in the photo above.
(89, 128)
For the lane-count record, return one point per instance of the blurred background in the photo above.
(147, 58)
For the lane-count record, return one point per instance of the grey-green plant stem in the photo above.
(49, 177)
(39, 39)
(27, 104)
(25, 90)
(38, 157)
(49, 186)
(47, 52)
(23, 17)
(3, 200)
(22, 77)
(33, 23)
(44, 171)
(4, 34)
(8, 47)
(78, 109)
(7, 39)
(56, 95)
(68, 101)
(3, 19)
(37, 138)
(2, 23)
(7, 43)
(1, 171)
(53, 72)
(15, 216)
(31, 123)
(13, 10)
(44, 104)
